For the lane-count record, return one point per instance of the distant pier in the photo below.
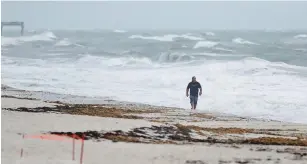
(20, 24)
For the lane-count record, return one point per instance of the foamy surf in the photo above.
(301, 36)
(243, 41)
(45, 36)
(241, 94)
(221, 55)
(223, 49)
(119, 31)
(210, 33)
(63, 42)
(166, 38)
(205, 44)
(155, 68)
(96, 61)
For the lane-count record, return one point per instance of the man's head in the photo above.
(193, 78)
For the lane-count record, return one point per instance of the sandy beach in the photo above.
(122, 132)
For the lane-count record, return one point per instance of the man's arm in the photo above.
(187, 90)
(201, 90)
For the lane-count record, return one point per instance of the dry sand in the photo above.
(164, 135)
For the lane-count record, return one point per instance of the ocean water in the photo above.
(260, 74)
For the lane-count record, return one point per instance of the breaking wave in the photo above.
(210, 33)
(205, 44)
(166, 38)
(66, 43)
(119, 31)
(12, 41)
(243, 41)
(301, 36)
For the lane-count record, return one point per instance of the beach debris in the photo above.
(166, 129)
(180, 134)
(298, 153)
(89, 110)
(276, 141)
(195, 162)
(15, 97)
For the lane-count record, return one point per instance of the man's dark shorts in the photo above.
(193, 99)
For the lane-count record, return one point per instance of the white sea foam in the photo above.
(98, 62)
(63, 42)
(216, 54)
(66, 42)
(166, 38)
(190, 37)
(300, 39)
(119, 31)
(248, 87)
(223, 49)
(205, 44)
(210, 33)
(301, 36)
(243, 41)
(6, 41)
(45, 36)
(301, 49)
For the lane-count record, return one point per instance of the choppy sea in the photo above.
(260, 74)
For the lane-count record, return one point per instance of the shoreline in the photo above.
(156, 131)
(10, 92)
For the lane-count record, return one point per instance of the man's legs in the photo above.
(193, 101)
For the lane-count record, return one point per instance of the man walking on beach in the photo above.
(193, 86)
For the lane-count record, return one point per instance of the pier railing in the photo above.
(16, 23)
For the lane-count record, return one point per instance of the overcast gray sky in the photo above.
(157, 15)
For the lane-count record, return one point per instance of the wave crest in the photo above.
(166, 38)
(119, 31)
(243, 41)
(12, 41)
(96, 61)
(66, 43)
(205, 44)
(301, 36)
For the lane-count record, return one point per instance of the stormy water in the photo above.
(260, 74)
